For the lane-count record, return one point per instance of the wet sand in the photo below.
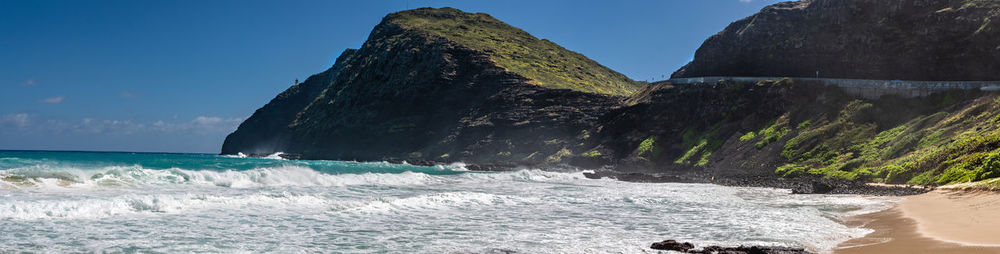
(935, 222)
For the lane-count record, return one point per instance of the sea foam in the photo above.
(207, 203)
(132, 176)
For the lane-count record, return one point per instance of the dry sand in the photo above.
(936, 222)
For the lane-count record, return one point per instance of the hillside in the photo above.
(440, 85)
(543, 62)
(866, 39)
(791, 129)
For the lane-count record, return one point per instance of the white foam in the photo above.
(273, 156)
(90, 207)
(434, 201)
(562, 211)
(134, 176)
(300, 176)
(454, 166)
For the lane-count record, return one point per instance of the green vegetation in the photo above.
(804, 125)
(557, 157)
(940, 148)
(544, 62)
(699, 146)
(791, 170)
(648, 147)
(774, 131)
(984, 185)
(592, 154)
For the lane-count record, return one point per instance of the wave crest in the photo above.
(133, 176)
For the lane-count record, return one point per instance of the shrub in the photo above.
(648, 146)
(791, 171)
(804, 125)
(777, 130)
(592, 154)
(925, 178)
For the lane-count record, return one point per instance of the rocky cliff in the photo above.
(866, 39)
(441, 85)
(266, 131)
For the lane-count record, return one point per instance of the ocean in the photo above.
(148, 202)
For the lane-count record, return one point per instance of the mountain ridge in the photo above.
(412, 94)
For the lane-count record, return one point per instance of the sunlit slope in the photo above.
(544, 62)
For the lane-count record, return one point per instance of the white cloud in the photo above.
(201, 125)
(53, 100)
(29, 82)
(19, 120)
(127, 94)
(90, 125)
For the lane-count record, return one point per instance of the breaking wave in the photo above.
(133, 176)
(440, 209)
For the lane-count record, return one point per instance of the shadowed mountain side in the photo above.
(445, 85)
(266, 130)
(866, 39)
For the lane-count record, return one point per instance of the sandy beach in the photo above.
(942, 221)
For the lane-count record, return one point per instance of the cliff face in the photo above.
(867, 39)
(424, 87)
(265, 131)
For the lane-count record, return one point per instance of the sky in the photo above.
(179, 75)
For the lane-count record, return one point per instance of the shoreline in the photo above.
(941, 221)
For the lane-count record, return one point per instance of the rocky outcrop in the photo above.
(865, 39)
(672, 245)
(266, 131)
(442, 85)
(687, 247)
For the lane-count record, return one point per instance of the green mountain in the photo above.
(442, 85)
(543, 62)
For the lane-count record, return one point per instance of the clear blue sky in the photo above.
(178, 75)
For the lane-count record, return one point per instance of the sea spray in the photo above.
(208, 203)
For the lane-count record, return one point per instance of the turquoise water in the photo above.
(136, 202)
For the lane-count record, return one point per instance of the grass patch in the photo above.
(592, 154)
(699, 145)
(962, 146)
(543, 62)
(648, 147)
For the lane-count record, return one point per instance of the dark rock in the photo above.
(750, 250)
(491, 167)
(265, 132)
(867, 39)
(672, 245)
(290, 156)
(813, 187)
(489, 251)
